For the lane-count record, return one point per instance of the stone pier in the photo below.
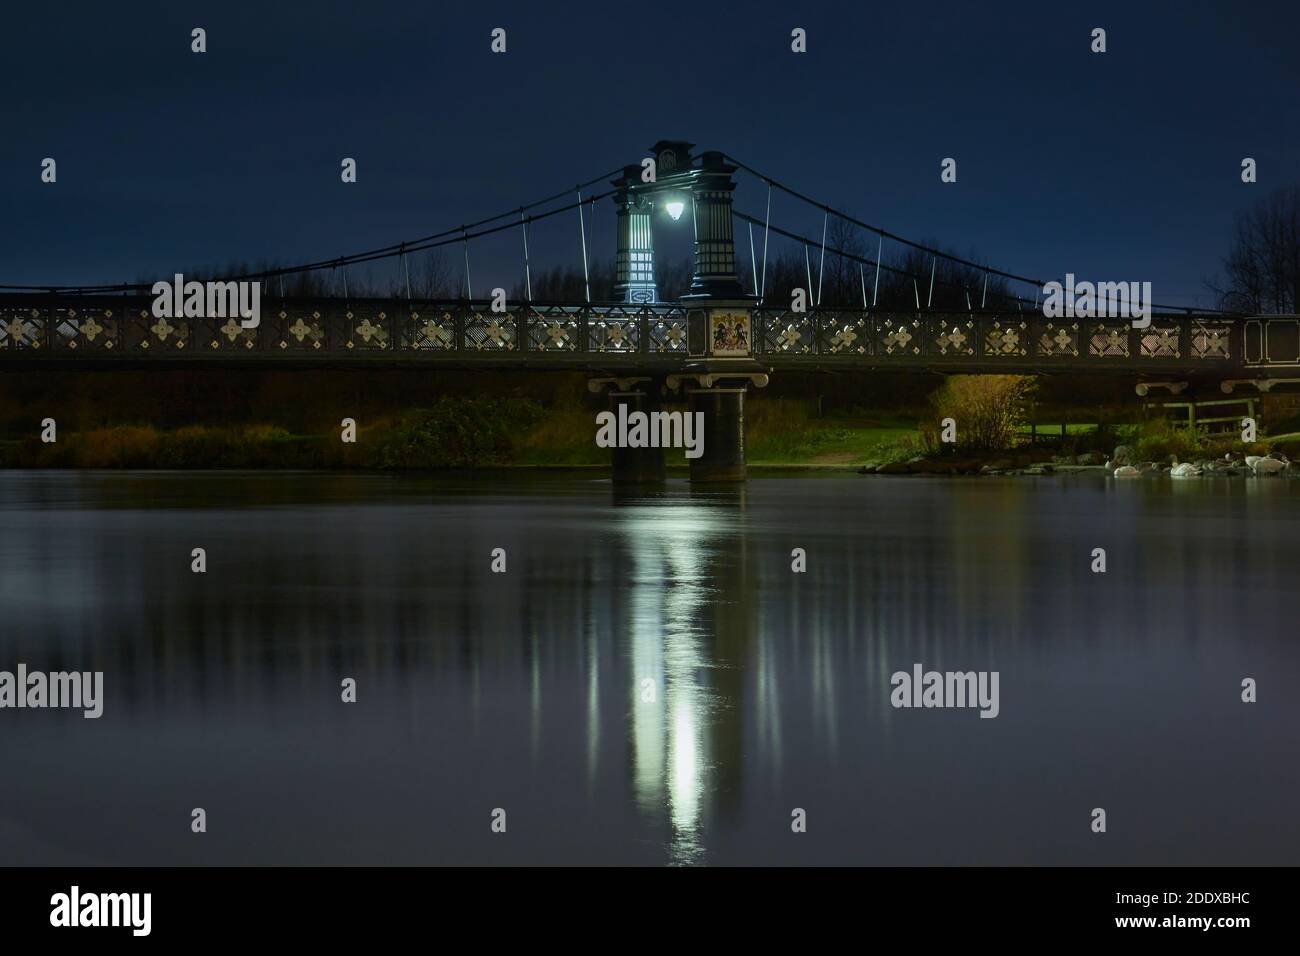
(723, 457)
(627, 395)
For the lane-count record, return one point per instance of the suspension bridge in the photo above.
(715, 341)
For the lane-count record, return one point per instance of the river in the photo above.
(649, 682)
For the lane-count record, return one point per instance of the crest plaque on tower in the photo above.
(729, 334)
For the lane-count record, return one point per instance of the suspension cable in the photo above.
(382, 252)
(894, 237)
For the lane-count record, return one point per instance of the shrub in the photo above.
(456, 433)
(1289, 447)
(986, 408)
(197, 446)
(126, 446)
(1159, 439)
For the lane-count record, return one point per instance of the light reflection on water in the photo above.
(525, 690)
(667, 548)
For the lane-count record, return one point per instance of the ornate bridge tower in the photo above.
(719, 314)
(679, 186)
(634, 259)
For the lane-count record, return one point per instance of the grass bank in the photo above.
(454, 433)
(458, 432)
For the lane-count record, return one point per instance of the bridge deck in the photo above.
(44, 331)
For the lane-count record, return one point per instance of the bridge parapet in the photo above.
(43, 330)
(82, 330)
(992, 341)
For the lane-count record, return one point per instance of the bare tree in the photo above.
(673, 279)
(956, 287)
(434, 277)
(842, 282)
(904, 280)
(557, 284)
(1263, 265)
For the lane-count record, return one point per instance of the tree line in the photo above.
(1261, 272)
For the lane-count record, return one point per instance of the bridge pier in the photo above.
(719, 397)
(627, 395)
(723, 455)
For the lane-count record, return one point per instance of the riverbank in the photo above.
(406, 418)
(352, 423)
(779, 441)
(454, 433)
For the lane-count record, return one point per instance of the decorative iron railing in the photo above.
(46, 329)
(101, 328)
(1013, 340)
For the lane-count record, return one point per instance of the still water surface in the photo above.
(523, 690)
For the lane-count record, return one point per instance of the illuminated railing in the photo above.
(38, 329)
(34, 327)
(984, 339)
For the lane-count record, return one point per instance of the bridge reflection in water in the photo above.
(523, 690)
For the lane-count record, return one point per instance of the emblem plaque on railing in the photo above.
(729, 334)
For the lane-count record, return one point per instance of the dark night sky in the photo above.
(1122, 166)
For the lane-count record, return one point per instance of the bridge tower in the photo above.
(679, 185)
(715, 249)
(634, 281)
(719, 314)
